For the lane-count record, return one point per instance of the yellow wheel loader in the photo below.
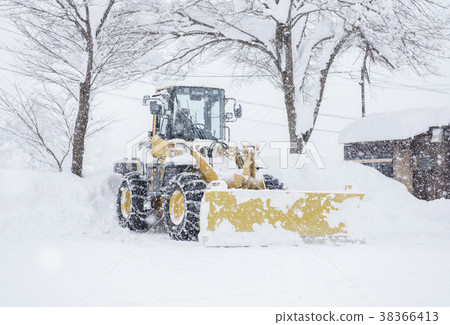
(186, 172)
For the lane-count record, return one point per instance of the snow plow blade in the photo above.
(261, 217)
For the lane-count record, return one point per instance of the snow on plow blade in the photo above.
(263, 217)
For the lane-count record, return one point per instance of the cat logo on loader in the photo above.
(186, 174)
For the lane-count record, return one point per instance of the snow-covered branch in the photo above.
(297, 41)
(80, 46)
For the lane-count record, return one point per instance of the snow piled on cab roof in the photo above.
(395, 125)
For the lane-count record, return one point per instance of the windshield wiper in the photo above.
(195, 126)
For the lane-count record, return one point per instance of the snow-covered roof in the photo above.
(395, 125)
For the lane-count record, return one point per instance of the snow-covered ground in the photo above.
(60, 246)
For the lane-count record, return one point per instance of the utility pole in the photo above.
(363, 92)
(362, 82)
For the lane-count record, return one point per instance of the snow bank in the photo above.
(396, 125)
(387, 210)
(38, 204)
(41, 204)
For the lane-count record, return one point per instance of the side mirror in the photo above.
(146, 100)
(155, 107)
(229, 117)
(238, 111)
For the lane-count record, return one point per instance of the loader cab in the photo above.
(189, 113)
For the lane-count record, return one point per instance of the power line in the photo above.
(397, 86)
(222, 75)
(283, 109)
(245, 119)
(339, 116)
(396, 77)
(257, 104)
(215, 76)
(283, 125)
(337, 73)
(411, 87)
(124, 96)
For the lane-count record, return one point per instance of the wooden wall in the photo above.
(432, 166)
(421, 165)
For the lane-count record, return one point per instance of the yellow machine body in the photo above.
(237, 207)
(231, 217)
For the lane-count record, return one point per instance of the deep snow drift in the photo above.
(60, 245)
(37, 204)
(395, 125)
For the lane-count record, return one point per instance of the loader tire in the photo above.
(130, 203)
(182, 206)
(272, 183)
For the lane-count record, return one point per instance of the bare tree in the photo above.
(296, 42)
(42, 121)
(82, 46)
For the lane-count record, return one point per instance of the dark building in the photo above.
(411, 146)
